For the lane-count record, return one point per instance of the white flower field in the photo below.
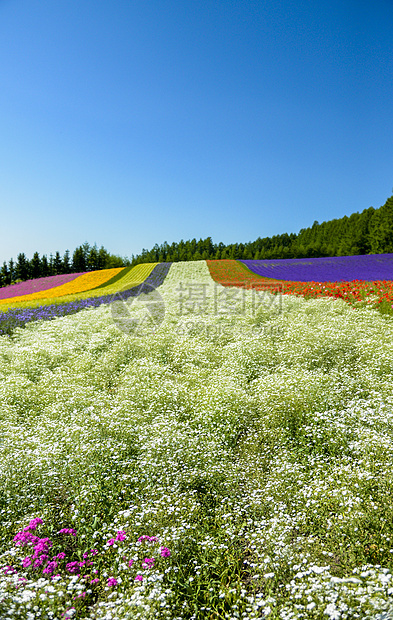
(247, 455)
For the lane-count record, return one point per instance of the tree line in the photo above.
(368, 232)
(84, 258)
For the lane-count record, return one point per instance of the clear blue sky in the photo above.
(132, 122)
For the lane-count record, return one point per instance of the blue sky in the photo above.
(132, 122)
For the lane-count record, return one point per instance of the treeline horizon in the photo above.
(368, 232)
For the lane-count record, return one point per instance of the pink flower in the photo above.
(148, 563)
(120, 535)
(34, 524)
(165, 553)
(72, 567)
(146, 538)
(93, 551)
(139, 578)
(94, 580)
(67, 530)
(24, 537)
(26, 562)
(50, 568)
(60, 556)
(112, 582)
(130, 563)
(42, 546)
(110, 542)
(40, 561)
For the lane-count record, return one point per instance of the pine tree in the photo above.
(22, 267)
(66, 262)
(35, 266)
(57, 264)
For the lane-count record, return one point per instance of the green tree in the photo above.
(35, 266)
(44, 266)
(67, 267)
(22, 267)
(57, 264)
(78, 260)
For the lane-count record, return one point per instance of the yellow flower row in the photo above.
(134, 277)
(83, 283)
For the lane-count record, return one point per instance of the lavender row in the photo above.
(367, 267)
(18, 317)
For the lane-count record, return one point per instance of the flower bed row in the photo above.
(378, 293)
(369, 267)
(234, 273)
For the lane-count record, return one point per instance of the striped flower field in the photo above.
(234, 461)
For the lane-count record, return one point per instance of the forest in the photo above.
(368, 232)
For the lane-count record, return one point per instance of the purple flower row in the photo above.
(18, 317)
(37, 285)
(367, 267)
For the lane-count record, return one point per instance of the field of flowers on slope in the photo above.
(228, 465)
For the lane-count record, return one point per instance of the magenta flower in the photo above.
(94, 580)
(139, 578)
(60, 556)
(165, 553)
(67, 530)
(24, 537)
(42, 546)
(112, 582)
(121, 535)
(72, 567)
(146, 538)
(130, 563)
(111, 542)
(26, 562)
(148, 563)
(39, 562)
(93, 551)
(50, 568)
(34, 523)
